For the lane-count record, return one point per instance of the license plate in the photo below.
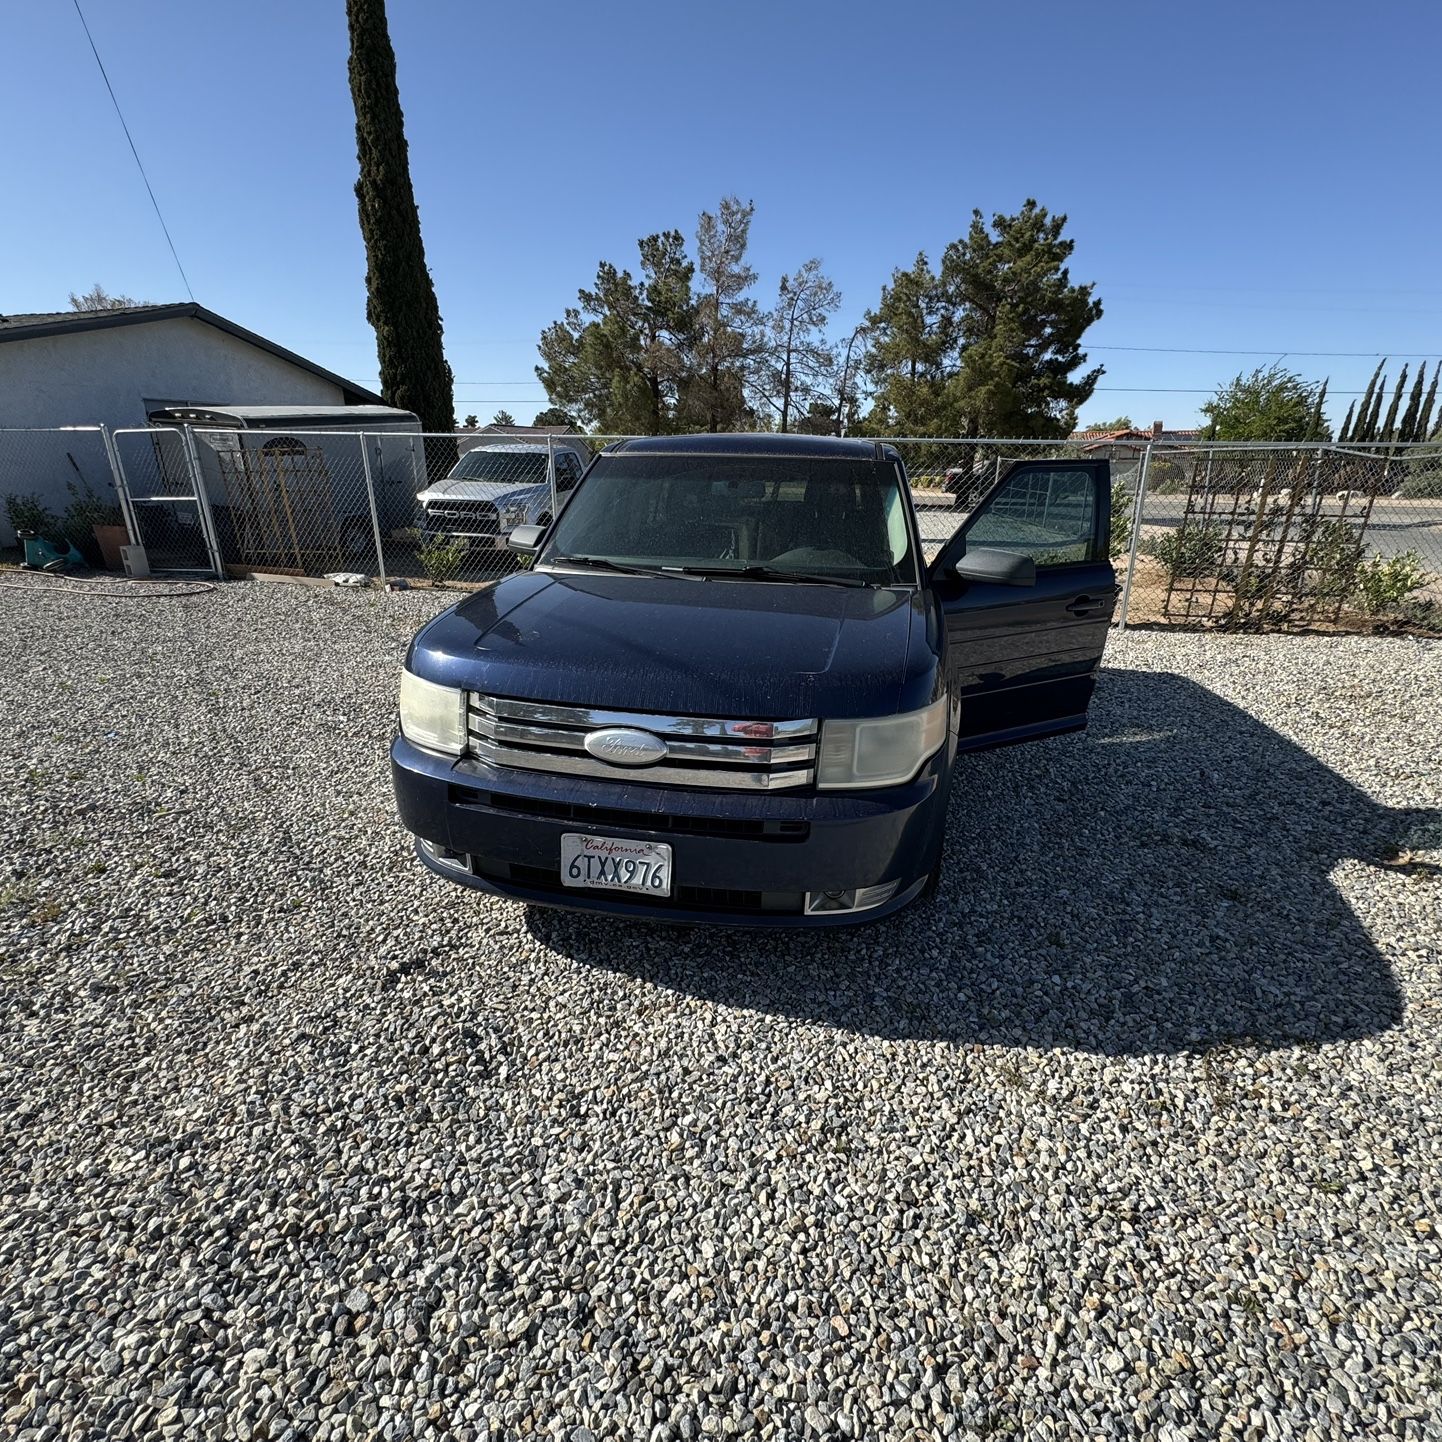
(613, 864)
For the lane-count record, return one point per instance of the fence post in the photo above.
(551, 471)
(122, 491)
(375, 514)
(1136, 531)
(202, 502)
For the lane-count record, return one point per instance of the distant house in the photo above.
(528, 432)
(1132, 442)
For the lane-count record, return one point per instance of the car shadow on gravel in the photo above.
(1161, 884)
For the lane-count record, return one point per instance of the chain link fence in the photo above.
(1217, 535)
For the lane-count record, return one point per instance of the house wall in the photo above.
(110, 377)
(107, 377)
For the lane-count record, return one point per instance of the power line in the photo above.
(1279, 351)
(96, 53)
(1193, 390)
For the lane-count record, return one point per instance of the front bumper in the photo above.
(738, 859)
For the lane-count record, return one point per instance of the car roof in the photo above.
(529, 447)
(758, 443)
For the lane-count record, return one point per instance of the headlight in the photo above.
(884, 751)
(433, 717)
(513, 513)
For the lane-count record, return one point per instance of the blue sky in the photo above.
(1254, 176)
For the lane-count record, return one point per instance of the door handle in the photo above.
(1086, 605)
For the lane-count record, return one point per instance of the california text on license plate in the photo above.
(616, 864)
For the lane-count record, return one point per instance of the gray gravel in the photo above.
(1134, 1133)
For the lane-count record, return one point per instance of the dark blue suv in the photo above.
(732, 689)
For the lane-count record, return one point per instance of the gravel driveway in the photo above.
(1134, 1133)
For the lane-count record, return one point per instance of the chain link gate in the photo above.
(165, 500)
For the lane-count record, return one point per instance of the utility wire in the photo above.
(134, 151)
(1193, 390)
(1339, 354)
(1279, 351)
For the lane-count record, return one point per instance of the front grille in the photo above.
(700, 751)
(653, 821)
(478, 517)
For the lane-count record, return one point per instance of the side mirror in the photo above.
(998, 568)
(526, 539)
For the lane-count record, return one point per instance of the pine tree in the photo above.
(1363, 431)
(726, 318)
(619, 360)
(400, 298)
(909, 337)
(1408, 430)
(1344, 434)
(1019, 320)
(1389, 427)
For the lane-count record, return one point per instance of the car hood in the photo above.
(733, 649)
(449, 490)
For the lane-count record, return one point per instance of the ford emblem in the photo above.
(625, 746)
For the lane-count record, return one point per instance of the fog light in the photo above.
(858, 898)
(444, 856)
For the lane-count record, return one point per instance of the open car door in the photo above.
(1027, 594)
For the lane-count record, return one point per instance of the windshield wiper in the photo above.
(604, 563)
(768, 573)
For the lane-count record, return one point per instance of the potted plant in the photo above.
(94, 524)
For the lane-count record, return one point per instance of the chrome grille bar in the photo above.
(701, 751)
(573, 764)
(727, 753)
(536, 712)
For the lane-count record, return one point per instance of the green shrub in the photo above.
(1425, 615)
(1425, 487)
(442, 559)
(1331, 552)
(88, 509)
(1166, 476)
(1190, 551)
(1122, 503)
(1383, 583)
(26, 513)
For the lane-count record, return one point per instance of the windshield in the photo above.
(523, 467)
(822, 517)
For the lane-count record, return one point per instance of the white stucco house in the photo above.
(129, 366)
(113, 367)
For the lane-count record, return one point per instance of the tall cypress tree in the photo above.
(1424, 421)
(1370, 431)
(1362, 433)
(400, 298)
(1345, 434)
(1408, 430)
(1316, 421)
(1389, 427)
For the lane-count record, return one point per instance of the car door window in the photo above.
(1049, 515)
(567, 472)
